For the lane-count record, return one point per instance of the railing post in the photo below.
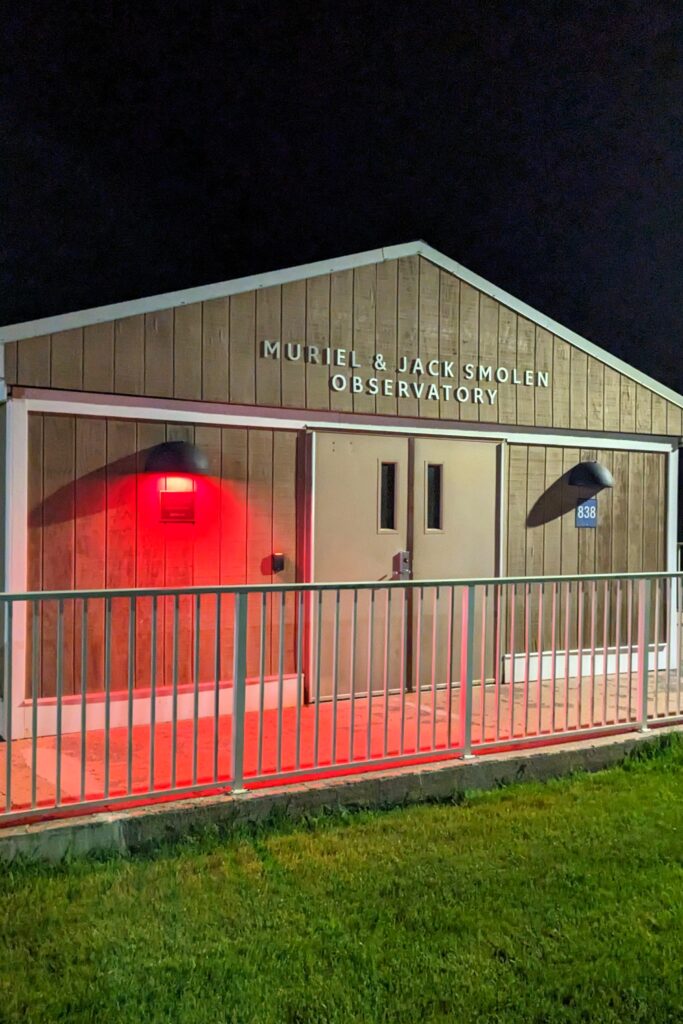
(239, 683)
(466, 668)
(644, 588)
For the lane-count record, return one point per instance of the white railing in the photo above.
(126, 696)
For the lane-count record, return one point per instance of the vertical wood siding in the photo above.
(94, 523)
(210, 352)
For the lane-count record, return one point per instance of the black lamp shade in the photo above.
(590, 474)
(177, 457)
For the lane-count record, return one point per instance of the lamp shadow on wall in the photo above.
(559, 499)
(105, 487)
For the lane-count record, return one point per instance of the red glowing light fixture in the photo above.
(177, 464)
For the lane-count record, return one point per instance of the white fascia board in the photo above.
(154, 303)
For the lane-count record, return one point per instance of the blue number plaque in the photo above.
(587, 514)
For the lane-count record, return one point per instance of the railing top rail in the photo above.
(276, 588)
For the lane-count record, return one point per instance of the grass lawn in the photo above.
(561, 902)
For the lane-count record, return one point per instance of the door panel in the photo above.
(455, 509)
(360, 634)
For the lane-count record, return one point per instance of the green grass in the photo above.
(561, 902)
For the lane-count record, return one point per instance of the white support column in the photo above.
(16, 534)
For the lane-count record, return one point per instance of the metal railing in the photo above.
(127, 696)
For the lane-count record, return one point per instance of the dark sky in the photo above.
(154, 146)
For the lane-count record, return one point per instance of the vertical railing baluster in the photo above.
(107, 692)
(593, 632)
(153, 690)
(435, 619)
(579, 653)
(567, 652)
(195, 682)
(352, 675)
(335, 673)
(387, 655)
(35, 689)
(679, 645)
(669, 619)
(9, 701)
(629, 644)
(467, 668)
(449, 667)
(132, 619)
(59, 695)
(511, 695)
(482, 667)
(656, 685)
(553, 657)
(299, 673)
(239, 687)
(605, 648)
(617, 641)
(318, 657)
(405, 626)
(262, 681)
(644, 595)
(280, 679)
(371, 642)
(174, 677)
(418, 667)
(498, 654)
(539, 665)
(84, 693)
(527, 654)
(217, 669)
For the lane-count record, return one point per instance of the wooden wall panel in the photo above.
(98, 358)
(449, 327)
(507, 356)
(269, 327)
(94, 523)
(58, 547)
(547, 542)
(469, 340)
(341, 330)
(159, 353)
(402, 308)
(488, 348)
(294, 332)
(408, 303)
(387, 327)
(243, 348)
(187, 352)
(428, 334)
(67, 360)
(216, 350)
(318, 335)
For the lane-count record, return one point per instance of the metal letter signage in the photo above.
(436, 374)
(587, 514)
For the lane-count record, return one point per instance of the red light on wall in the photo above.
(177, 499)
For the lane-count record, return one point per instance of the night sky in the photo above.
(155, 146)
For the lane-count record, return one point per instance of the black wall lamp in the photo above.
(177, 457)
(590, 474)
(177, 464)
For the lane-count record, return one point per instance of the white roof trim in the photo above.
(118, 310)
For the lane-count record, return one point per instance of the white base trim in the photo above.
(581, 665)
(95, 706)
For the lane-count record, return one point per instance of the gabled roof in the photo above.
(118, 310)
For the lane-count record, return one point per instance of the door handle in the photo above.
(401, 566)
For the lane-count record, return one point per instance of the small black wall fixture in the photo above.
(590, 474)
(177, 457)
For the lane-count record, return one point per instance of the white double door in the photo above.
(382, 502)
